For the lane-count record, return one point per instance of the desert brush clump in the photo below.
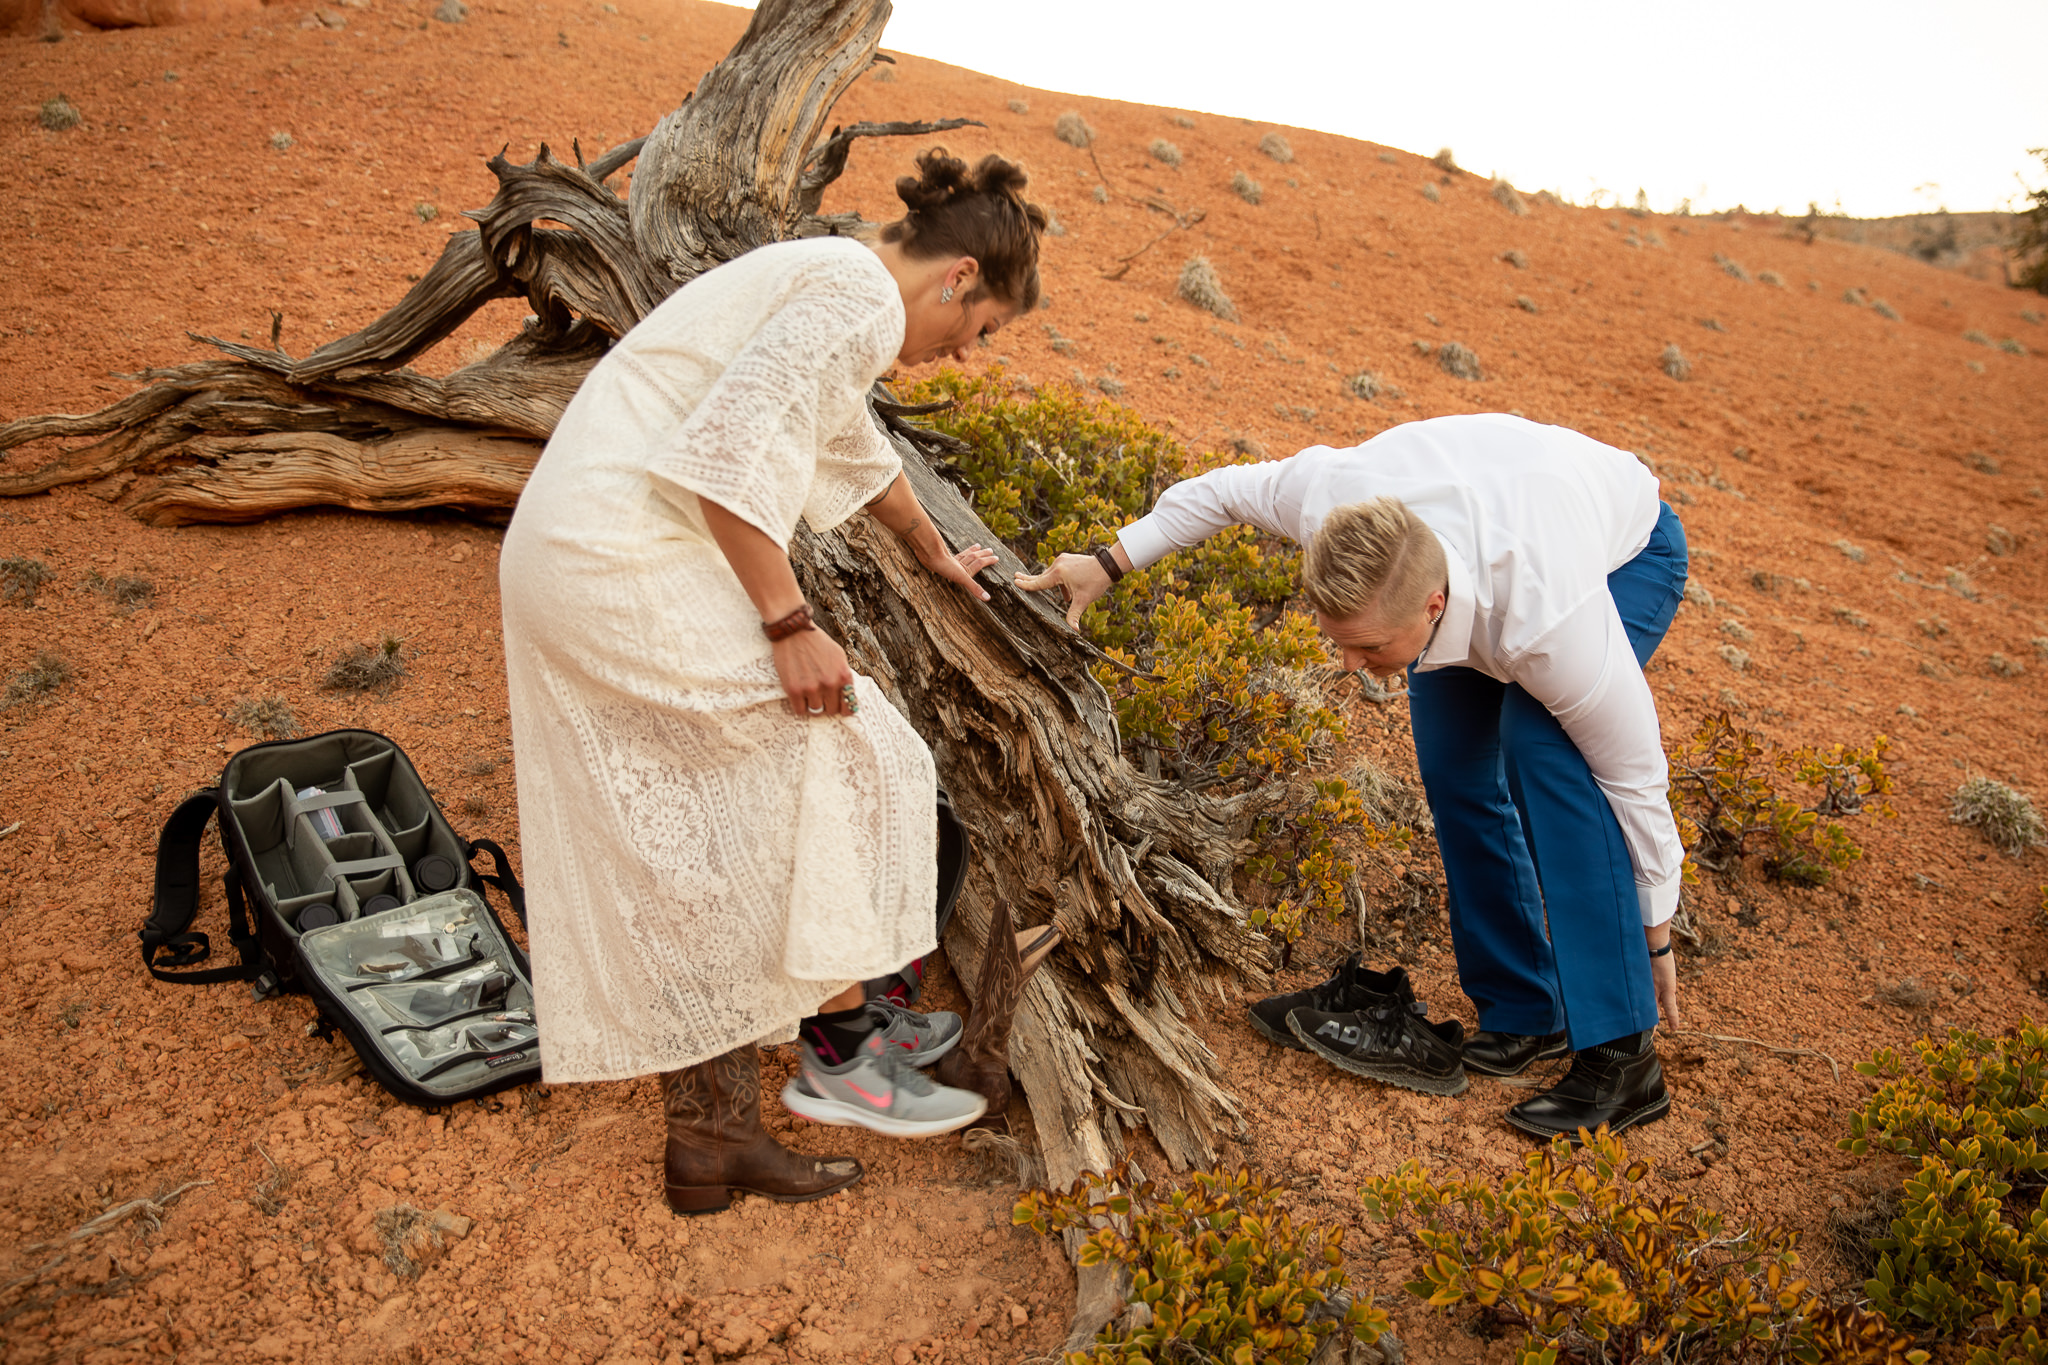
(1017, 106)
(1365, 385)
(1526, 304)
(1431, 193)
(425, 212)
(1579, 1254)
(1275, 147)
(1733, 797)
(1219, 1270)
(129, 592)
(2013, 346)
(1072, 129)
(20, 577)
(1246, 188)
(1976, 337)
(1966, 1258)
(366, 668)
(1732, 267)
(1237, 692)
(410, 1238)
(58, 115)
(1504, 194)
(2004, 816)
(2005, 667)
(46, 672)
(270, 717)
(1199, 285)
(1674, 363)
(1771, 278)
(1515, 257)
(1183, 121)
(281, 141)
(1164, 151)
(1884, 310)
(1445, 162)
(1458, 360)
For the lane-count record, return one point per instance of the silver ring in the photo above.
(815, 710)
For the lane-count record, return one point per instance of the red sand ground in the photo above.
(1807, 422)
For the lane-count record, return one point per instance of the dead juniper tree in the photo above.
(1134, 871)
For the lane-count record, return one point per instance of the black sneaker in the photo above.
(1606, 1085)
(1350, 987)
(1389, 1042)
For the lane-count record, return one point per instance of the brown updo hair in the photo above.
(982, 213)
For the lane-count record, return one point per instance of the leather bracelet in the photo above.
(1109, 564)
(1665, 951)
(795, 623)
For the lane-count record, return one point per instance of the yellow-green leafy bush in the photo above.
(1219, 1270)
(1734, 795)
(1580, 1255)
(1967, 1255)
(1236, 687)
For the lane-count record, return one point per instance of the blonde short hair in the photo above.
(1376, 555)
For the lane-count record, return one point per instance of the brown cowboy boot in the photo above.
(981, 1061)
(716, 1146)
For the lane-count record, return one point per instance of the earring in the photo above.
(946, 294)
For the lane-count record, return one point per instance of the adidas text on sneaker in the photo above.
(881, 1091)
(1390, 1043)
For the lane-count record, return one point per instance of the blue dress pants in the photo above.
(1543, 906)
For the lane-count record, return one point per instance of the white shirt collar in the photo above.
(1452, 643)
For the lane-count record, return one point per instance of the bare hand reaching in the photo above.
(962, 568)
(1080, 577)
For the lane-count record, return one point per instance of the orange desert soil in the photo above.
(1840, 474)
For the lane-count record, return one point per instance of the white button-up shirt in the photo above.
(1532, 519)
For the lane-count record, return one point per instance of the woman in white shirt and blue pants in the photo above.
(1521, 575)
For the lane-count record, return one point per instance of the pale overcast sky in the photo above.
(1890, 108)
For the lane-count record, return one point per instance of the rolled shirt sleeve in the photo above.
(1194, 509)
(1585, 673)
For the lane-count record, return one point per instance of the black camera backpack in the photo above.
(346, 882)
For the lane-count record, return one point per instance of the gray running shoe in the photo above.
(922, 1038)
(878, 1090)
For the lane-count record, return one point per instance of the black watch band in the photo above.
(1108, 563)
(1665, 951)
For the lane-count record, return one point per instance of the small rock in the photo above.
(1019, 1315)
(453, 1224)
(901, 1355)
(451, 11)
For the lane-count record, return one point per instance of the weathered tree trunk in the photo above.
(1135, 872)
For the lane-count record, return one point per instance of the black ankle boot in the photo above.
(1510, 1054)
(1614, 1084)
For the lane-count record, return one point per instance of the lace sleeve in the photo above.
(752, 443)
(858, 466)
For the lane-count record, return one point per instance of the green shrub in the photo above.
(1235, 692)
(1967, 1255)
(1219, 1271)
(1727, 795)
(1578, 1254)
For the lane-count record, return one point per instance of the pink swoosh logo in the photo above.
(876, 1100)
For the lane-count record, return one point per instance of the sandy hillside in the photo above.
(1863, 494)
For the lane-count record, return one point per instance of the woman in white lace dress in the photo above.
(725, 830)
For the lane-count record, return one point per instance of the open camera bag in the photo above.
(346, 882)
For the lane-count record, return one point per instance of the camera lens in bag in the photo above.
(434, 873)
(376, 904)
(318, 916)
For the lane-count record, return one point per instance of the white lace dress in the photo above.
(704, 869)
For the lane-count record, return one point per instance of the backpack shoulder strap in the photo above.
(502, 877)
(168, 939)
